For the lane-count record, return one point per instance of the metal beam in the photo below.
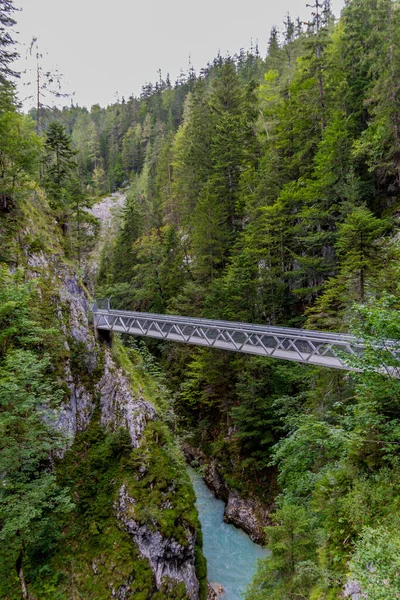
(300, 345)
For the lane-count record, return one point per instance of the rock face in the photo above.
(76, 414)
(97, 390)
(77, 326)
(248, 514)
(215, 481)
(119, 407)
(166, 556)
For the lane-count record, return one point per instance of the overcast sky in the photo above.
(114, 47)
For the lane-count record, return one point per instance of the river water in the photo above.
(230, 553)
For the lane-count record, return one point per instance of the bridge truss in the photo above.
(300, 345)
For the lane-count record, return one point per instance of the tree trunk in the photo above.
(20, 572)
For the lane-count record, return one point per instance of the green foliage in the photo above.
(58, 161)
(30, 497)
(17, 327)
(19, 149)
(291, 569)
(93, 468)
(7, 55)
(375, 563)
(255, 415)
(65, 192)
(32, 502)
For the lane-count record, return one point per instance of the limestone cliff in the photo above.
(134, 532)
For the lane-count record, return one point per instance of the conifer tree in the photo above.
(7, 55)
(380, 142)
(273, 51)
(191, 155)
(59, 161)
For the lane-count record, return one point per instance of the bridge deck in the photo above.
(300, 345)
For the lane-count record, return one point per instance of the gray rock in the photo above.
(119, 407)
(37, 261)
(215, 481)
(74, 415)
(77, 326)
(124, 592)
(352, 590)
(166, 556)
(214, 590)
(248, 514)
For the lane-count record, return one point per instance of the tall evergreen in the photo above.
(7, 54)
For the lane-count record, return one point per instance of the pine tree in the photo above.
(191, 155)
(7, 55)
(211, 234)
(380, 142)
(59, 160)
(292, 543)
(362, 253)
(273, 51)
(360, 249)
(316, 44)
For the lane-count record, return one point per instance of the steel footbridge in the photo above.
(312, 347)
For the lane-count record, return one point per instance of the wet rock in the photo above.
(211, 476)
(210, 473)
(214, 590)
(248, 514)
(215, 481)
(166, 556)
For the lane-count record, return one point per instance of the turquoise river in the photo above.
(230, 553)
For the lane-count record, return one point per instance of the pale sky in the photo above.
(104, 48)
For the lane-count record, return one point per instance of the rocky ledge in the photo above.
(166, 556)
(248, 514)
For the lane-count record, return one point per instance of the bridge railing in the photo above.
(337, 350)
(313, 347)
(101, 304)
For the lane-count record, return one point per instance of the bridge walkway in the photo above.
(300, 345)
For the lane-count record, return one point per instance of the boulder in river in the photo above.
(214, 590)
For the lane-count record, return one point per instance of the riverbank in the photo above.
(231, 555)
(248, 514)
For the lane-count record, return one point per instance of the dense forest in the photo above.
(264, 189)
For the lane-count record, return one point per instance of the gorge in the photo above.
(264, 189)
